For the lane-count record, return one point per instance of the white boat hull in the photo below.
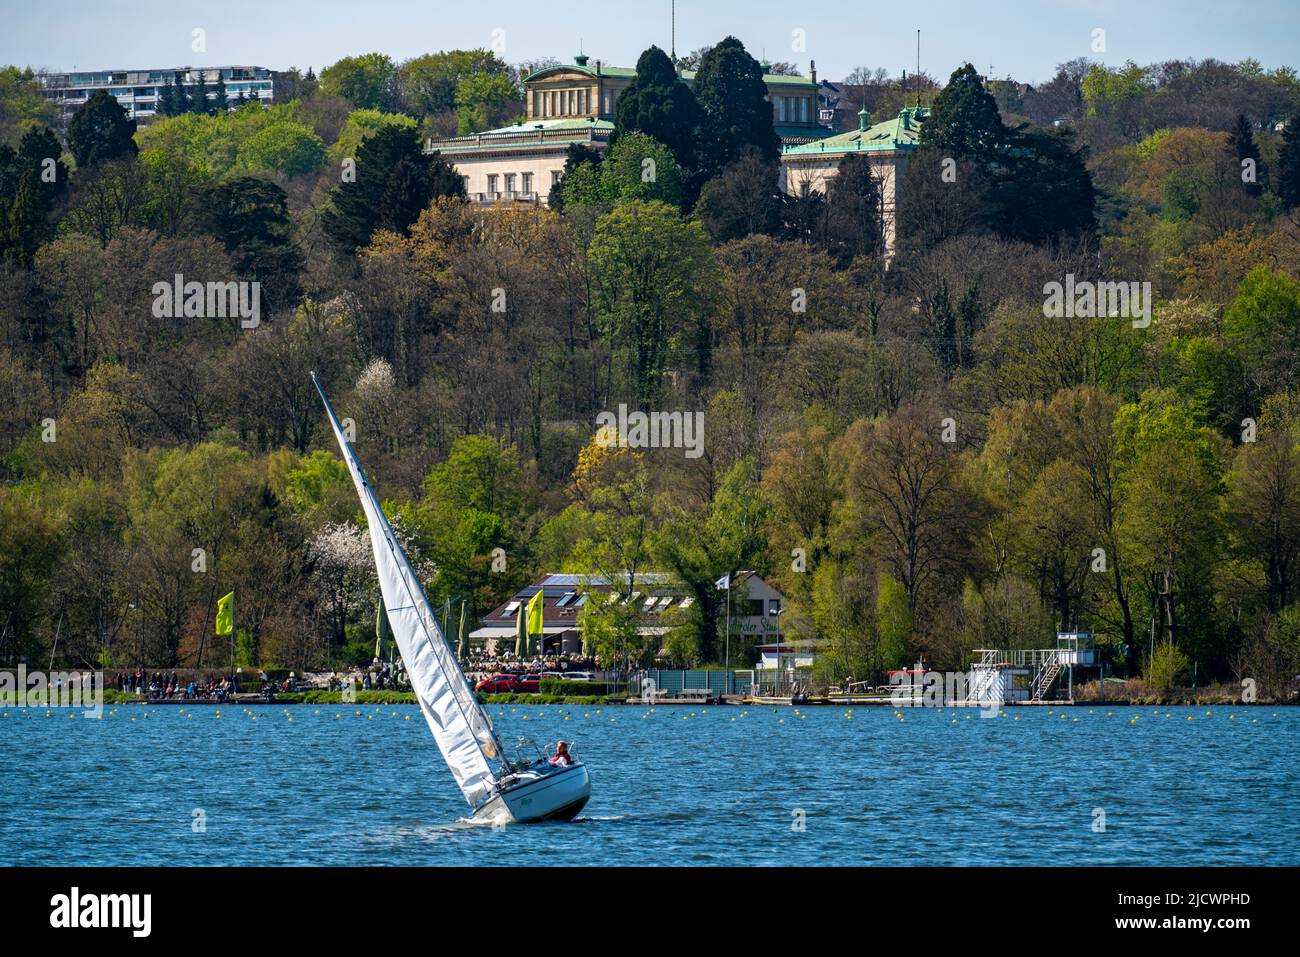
(539, 796)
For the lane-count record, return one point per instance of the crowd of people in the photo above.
(161, 685)
(379, 676)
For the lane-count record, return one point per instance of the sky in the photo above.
(1024, 39)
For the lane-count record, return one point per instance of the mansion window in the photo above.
(528, 182)
(492, 182)
(510, 182)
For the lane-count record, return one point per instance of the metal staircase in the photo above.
(984, 675)
(1046, 676)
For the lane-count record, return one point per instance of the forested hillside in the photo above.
(920, 457)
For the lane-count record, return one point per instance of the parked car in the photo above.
(528, 684)
(499, 684)
(577, 676)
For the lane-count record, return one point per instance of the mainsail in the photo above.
(459, 725)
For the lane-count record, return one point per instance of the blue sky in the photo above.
(1023, 38)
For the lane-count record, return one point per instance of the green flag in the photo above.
(382, 629)
(462, 648)
(226, 614)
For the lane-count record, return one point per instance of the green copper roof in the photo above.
(900, 132)
(564, 123)
(623, 72)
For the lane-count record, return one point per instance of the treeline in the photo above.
(921, 457)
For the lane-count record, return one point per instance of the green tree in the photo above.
(649, 266)
(1288, 163)
(484, 100)
(735, 112)
(38, 179)
(658, 104)
(287, 148)
(368, 81)
(964, 120)
(100, 131)
(394, 183)
(1241, 141)
(199, 95)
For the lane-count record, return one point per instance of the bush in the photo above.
(1167, 665)
(548, 698)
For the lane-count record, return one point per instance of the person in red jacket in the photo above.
(562, 758)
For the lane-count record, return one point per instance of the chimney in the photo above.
(812, 70)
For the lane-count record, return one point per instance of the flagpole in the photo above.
(727, 660)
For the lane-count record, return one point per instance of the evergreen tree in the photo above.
(30, 186)
(394, 183)
(733, 102)
(964, 121)
(1242, 143)
(660, 105)
(853, 212)
(100, 131)
(199, 95)
(220, 101)
(180, 102)
(166, 100)
(1288, 164)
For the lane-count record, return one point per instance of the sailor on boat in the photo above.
(496, 789)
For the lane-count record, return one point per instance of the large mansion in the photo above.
(575, 103)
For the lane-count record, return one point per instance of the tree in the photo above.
(701, 548)
(429, 83)
(852, 225)
(1241, 142)
(199, 95)
(288, 148)
(636, 167)
(394, 182)
(1263, 505)
(39, 179)
(1288, 164)
(220, 99)
(658, 104)
(649, 267)
(250, 217)
(485, 100)
(907, 502)
(743, 199)
(964, 120)
(733, 102)
(368, 81)
(100, 131)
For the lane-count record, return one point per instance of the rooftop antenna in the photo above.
(673, 43)
(918, 68)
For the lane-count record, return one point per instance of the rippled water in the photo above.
(349, 785)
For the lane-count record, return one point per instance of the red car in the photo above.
(499, 684)
(528, 684)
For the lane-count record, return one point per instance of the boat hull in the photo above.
(551, 796)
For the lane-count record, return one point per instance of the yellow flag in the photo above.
(226, 614)
(535, 613)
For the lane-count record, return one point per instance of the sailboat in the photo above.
(499, 790)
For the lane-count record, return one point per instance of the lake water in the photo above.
(724, 785)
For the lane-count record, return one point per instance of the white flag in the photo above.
(724, 582)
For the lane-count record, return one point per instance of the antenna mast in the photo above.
(673, 43)
(918, 67)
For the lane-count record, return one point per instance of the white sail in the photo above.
(459, 725)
